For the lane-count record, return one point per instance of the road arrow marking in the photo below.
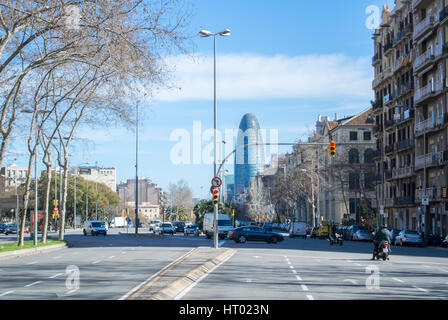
(351, 281)
(6, 293)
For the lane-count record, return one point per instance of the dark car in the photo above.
(2, 227)
(267, 226)
(254, 233)
(445, 242)
(179, 226)
(11, 229)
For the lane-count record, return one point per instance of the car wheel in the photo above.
(84, 231)
(242, 239)
(92, 233)
(274, 240)
(105, 233)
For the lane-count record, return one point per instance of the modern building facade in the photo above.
(11, 177)
(107, 176)
(249, 160)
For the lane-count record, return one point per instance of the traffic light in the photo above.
(332, 149)
(215, 193)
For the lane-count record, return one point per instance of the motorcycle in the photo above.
(383, 251)
(337, 239)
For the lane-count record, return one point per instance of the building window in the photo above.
(368, 156)
(353, 136)
(353, 156)
(367, 135)
(353, 205)
(353, 181)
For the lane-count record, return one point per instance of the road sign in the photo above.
(425, 200)
(216, 182)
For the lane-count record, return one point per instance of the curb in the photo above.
(32, 251)
(135, 293)
(181, 285)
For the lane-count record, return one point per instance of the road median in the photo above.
(183, 275)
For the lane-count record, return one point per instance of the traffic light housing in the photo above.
(215, 196)
(332, 149)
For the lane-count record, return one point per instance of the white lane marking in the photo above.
(289, 262)
(221, 243)
(444, 270)
(6, 293)
(304, 287)
(153, 276)
(294, 271)
(32, 284)
(191, 286)
(358, 264)
(78, 252)
(30, 263)
(248, 280)
(310, 297)
(298, 278)
(351, 281)
(111, 257)
(55, 275)
(56, 257)
(123, 252)
(256, 257)
(396, 279)
(96, 262)
(420, 289)
(291, 267)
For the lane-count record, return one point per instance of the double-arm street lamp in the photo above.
(204, 34)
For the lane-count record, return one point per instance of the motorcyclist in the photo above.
(383, 234)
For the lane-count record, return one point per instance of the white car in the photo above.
(94, 228)
(298, 229)
(166, 227)
(152, 224)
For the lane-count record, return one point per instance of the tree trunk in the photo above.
(47, 201)
(64, 198)
(26, 199)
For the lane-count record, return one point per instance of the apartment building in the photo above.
(107, 176)
(11, 177)
(410, 111)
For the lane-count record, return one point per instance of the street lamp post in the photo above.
(136, 170)
(207, 33)
(316, 211)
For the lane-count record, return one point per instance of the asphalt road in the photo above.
(311, 269)
(109, 267)
(296, 269)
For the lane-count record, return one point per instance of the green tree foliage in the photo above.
(176, 213)
(206, 206)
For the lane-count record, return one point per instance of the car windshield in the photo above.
(97, 224)
(166, 225)
(224, 223)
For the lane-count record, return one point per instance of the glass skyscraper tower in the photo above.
(249, 160)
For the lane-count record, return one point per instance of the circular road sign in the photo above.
(216, 182)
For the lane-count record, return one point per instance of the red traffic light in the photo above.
(215, 191)
(332, 144)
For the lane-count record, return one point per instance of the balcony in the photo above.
(405, 144)
(401, 173)
(376, 129)
(428, 160)
(443, 14)
(401, 34)
(375, 59)
(377, 104)
(390, 148)
(390, 123)
(404, 88)
(403, 201)
(427, 91)
(420, 127)
(388, 46)
(424, 59)
(434, 193)
(424, 25)
(388, 98)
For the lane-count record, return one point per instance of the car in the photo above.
(254, 233)
(351, 230)
(166, 227)
(152, 224)
(11, 229)
(179, 226)
(267, 226)
(409, 237)
(94, 228)
(362, 235)
(2, 227)
(445, 242)
(191, 229)
(434, 240)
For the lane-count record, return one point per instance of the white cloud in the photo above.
(249, 76)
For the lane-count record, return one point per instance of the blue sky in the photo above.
(286, 62)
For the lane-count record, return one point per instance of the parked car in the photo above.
(2, 227)
(409, 237)
(254, 233)
(179, 226)
(445, 242)
(362, 235)
(191, 229)
(11, 229)
(152, 224)
(267, 226)
(166, 227)
(351, 230)
(94, 228)
(224, 225)
(434, 240)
